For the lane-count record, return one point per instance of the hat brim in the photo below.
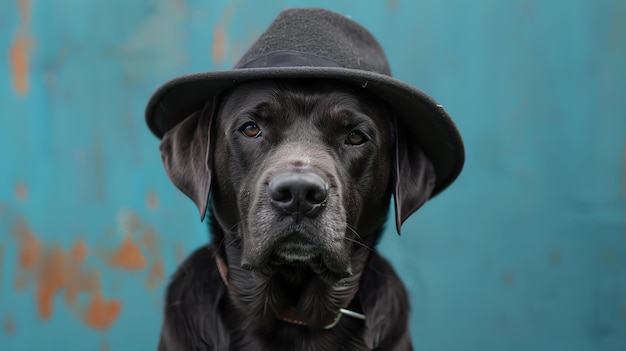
(425, 119)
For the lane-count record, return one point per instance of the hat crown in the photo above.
(316, 32)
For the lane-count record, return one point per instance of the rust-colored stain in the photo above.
(9, 326)
(53, 270)
(156, 274)
(219, 45)
(20, 50)
(128, 256)
(220, 38)
(29, 246)
(21, 192)
(51, 281)
(79, 250)
(18, 57)
(508, 278)
(101, 313)
(152, 201)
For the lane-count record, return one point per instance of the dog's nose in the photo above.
(301, 194)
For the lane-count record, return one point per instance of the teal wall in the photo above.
(526, 251)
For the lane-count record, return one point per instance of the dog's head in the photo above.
(300, 173)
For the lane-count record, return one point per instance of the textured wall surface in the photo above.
(526, 251)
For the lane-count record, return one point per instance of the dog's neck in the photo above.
(291, 315)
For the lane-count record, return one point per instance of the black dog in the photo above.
(301, 174)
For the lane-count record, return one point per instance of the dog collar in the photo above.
(291, 315)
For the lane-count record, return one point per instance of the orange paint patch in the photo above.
(52, 280)
(128, 256)
(21, 192)
(80, 250)
(156, 274)
(54, 270)
(101, 313)
(219, 45)
(152, 201)
(29, 246)
(9, 326)
(19, 61)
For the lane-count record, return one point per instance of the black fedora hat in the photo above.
(313, 43)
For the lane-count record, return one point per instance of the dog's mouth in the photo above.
(295, 256)
(295, 251)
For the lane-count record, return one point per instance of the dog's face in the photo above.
(301, 175)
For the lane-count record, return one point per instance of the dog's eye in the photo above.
(251, 130)
(356, 138)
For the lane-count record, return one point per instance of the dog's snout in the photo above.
(301, 194)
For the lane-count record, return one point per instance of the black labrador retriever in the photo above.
(301, 177)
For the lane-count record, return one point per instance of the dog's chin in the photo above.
(294, 258)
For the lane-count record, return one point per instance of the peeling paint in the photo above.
(51, 281)
(29, 246)
(18, 56)
(20, 50)
(128, 256)
(101, 313)
(220, 37)
(53, 271)
(218, 52)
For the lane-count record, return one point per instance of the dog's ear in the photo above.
(187, 156)
(414, 176)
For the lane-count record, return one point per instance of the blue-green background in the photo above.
(526, 251)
